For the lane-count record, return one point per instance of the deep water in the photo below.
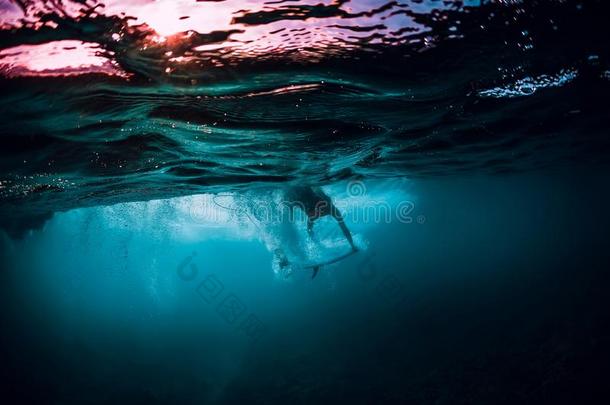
(499, 296)
(162, 165)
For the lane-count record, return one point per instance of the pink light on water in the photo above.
(169, 17)
(57, 58)
(154, 36)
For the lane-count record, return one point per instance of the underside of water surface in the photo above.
(239, 201)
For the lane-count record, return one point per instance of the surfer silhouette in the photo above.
(316, 204)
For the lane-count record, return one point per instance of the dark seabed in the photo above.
(231, 202)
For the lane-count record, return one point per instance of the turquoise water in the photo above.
(494, 292)
(237, 202)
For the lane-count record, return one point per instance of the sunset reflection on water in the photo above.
(200, 34)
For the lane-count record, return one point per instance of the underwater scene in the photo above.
(304, 201)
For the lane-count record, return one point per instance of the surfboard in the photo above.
(331, 261)
(316, 266)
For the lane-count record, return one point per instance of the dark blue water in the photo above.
(164, 170)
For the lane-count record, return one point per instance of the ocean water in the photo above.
(160, 162)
